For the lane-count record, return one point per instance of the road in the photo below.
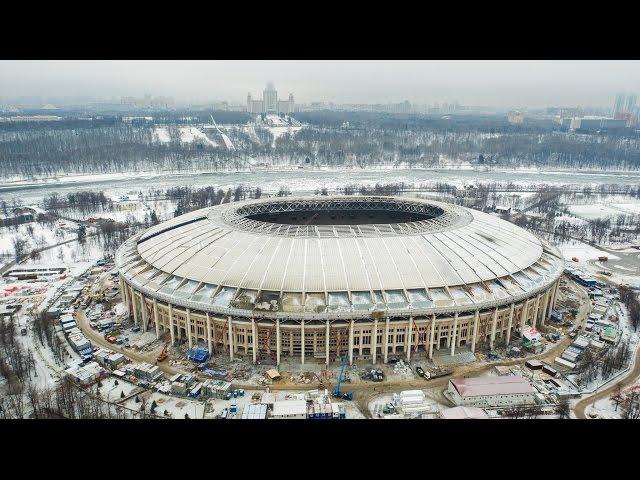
(363, 392)
(630, 378)
(97, 339)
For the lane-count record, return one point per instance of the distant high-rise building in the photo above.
(270, 98)
(270, 102)
(625, 108)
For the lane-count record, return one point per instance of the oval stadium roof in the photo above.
(271, 254)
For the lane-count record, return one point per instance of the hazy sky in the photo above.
(478, 82)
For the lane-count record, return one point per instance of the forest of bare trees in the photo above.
(99, 147)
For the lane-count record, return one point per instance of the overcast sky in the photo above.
(495, 83)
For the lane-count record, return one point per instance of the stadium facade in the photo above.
(320, 277)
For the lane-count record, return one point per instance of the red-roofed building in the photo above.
(492, 391)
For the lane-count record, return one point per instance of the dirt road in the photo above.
(363, 392)
(97, 339)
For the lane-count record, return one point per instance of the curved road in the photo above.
(628, 379)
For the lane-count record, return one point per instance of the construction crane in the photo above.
(336, 391)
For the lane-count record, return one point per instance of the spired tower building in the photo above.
(270, 98)
(270, 102)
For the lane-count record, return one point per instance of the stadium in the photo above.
(316, 278)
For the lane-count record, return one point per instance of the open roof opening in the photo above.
(340, 213)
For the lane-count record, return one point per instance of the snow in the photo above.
(161, 135)
(43, 235)
(583, 252)
(604, 408)
(191, 134)
(187, 135)
(593, 211)
(277, 132)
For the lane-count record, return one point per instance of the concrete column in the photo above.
(123, 292)
(326, 344)
(302, 345)
(291, 344)
(374, 341)
(155, 317)
(209, 334)
(386, 340)
(278, 342)
(545, 306)
(135, 310)
(409, 338)
(432, 335)
(494, 323)
(351, 343)
(555, 294)
(173, 335)
(231, 342)
(189, 336)
(523, 316)
(125, 297)
(535, 311)
(475, 331)
(509, 324)
(254, 340)
(394, 342)
(455, 332)
(145, 319)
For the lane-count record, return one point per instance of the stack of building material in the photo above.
(411, 402)
(146, 371)
(409, 398)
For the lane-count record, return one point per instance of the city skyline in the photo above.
(503, 84)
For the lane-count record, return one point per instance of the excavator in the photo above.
(163, 354)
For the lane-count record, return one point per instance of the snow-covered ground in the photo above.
(593, 211)
(583, 252)
(37, 235)
(187, 134)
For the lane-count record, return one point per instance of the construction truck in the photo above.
(420, 371)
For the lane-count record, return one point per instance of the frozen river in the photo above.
(306, 181)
